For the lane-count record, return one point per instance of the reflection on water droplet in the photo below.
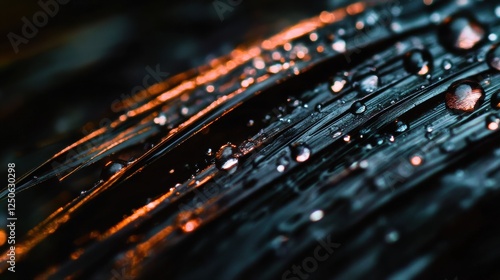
(338, 84)
(191, 225)
(461, 32)
(339, 45)
(283, 163)
(493, 57)
(369, 84)
(247, 146)
(316, 215)
(111, 168)
(416, 160)
(401, 126)
(392, 236)
(492, 122)
(226, 158)
(418, 62)
(358, 108)
(464, 96)
(446, 64)
(184, 111)
(300, 152)
(161, 119)
(293, 102)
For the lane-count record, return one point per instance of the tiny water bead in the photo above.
(227, 157)
(464, 96)
(358, 108)
(461, 32)
(492, 122)
(369, 84)
(316, 215)
(418, 62)
(493, 57)
(300, 152)
(416, 160)
(401, 126)
(446, 64)
(338, 83)
(282, 164)
(392, 236)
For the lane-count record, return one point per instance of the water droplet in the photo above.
(493, 57)
(250, 123)
(358, 108)
(293, 102)
(495, 100)
(227, 158)
(339, 45)
(319, 108)
(401, 126)
(392, 236)
(448, 147)
(492, 122)
(184, 111)
(338, 83)
(416, 160)
(418, 62)
(111, 168)
(464, 96)
(161, 119)
(191, 225)
(446, 64)
(283, 163)
(209, 152)
(461, 32)
(347, 138)
(369, 84)
(316, 215)
(300, 152)
(247, 146)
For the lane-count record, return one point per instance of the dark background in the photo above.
(92, 52)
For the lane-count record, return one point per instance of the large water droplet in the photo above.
(358, 108)
(418, 62)
(227, 157)
(464, 96)
(461, 32)
(493, 57)
(300, 152)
